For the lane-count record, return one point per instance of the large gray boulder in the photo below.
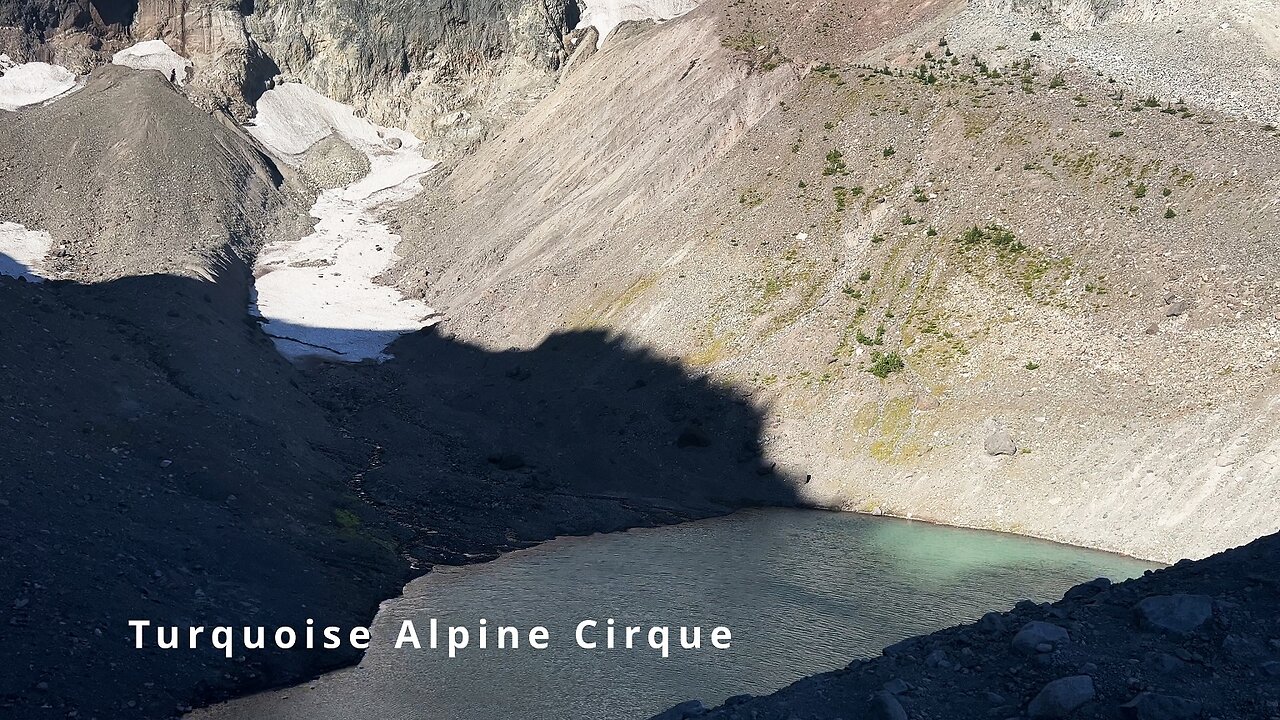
(1035, 634)
(885, 706)
(999, 442)
(1174, 614)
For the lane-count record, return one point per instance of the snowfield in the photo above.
(155, 55)
(22, 251)
(319, 295)
(32, 83)
(606, 15)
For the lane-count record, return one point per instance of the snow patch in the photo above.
(319, 295)
(293, 117)
(155, 55)
(32, 83)
(606, 15)
(22, 252)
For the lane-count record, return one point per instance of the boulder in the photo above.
(992, 622)
(897, 686)
(999, 442)
(1244, 649)
(686, 709)
(938, 659)
(1036, 634)
(1087, 590)
(885, 706)
(1164, 663)
(1062, 697)
(1174, 614)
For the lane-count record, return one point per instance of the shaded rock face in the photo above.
(76, 33)
(52, 15)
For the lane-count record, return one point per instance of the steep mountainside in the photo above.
(1068, 282)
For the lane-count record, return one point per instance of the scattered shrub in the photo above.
(885, 364)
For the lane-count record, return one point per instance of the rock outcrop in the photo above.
(455, 72)
(437, 69)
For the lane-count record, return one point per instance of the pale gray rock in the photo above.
(1035, 634)
(999, 442)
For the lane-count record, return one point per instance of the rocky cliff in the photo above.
(448, 71)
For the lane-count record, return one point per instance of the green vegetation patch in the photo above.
(885, 364)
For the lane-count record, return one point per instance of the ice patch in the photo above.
(318, 294)
(606, 15)
(32, 83)
(154, 55)
(22, 252)
(293, 117)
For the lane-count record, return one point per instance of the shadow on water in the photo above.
(164, 462)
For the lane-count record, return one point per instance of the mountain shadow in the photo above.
(163, 462)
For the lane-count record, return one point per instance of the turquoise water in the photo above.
(800, 591)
